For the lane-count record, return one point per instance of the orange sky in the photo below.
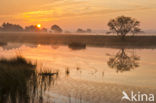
(72, 14)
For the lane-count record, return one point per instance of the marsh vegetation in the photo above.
(89, 40)
(77, 46)
(20, 82)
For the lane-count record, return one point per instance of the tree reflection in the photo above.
(123, 62)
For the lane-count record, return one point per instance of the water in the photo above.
(91, 75)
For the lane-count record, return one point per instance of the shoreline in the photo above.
(111, 41)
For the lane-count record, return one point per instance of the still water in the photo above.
(90, 75)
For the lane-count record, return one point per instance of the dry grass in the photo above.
(19, 81)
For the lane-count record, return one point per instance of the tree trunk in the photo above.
(123, 37)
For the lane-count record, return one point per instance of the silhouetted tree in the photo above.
(10, 27)
(122, 62)
(79, 30)
(123, 25)
(56, 29)
(88, 30)
(44, 30)
(32, 28)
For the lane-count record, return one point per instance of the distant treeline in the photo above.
(121, 26)
(8, 27)
(18, 28)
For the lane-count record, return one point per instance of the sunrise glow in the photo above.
(39, 25)
(72, 14)
(72, 51)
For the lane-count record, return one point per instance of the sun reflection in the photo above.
(38, 45)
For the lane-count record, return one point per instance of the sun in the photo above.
(39, 25)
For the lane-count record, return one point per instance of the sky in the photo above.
(73, 14)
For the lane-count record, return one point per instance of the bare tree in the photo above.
(123, 25)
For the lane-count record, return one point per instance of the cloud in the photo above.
(52, 10)
(56, 14)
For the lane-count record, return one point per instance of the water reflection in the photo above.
(67, 72)
(54, 46)
(123, 62)
(20, 83)
(10, 46)
(82, 76)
